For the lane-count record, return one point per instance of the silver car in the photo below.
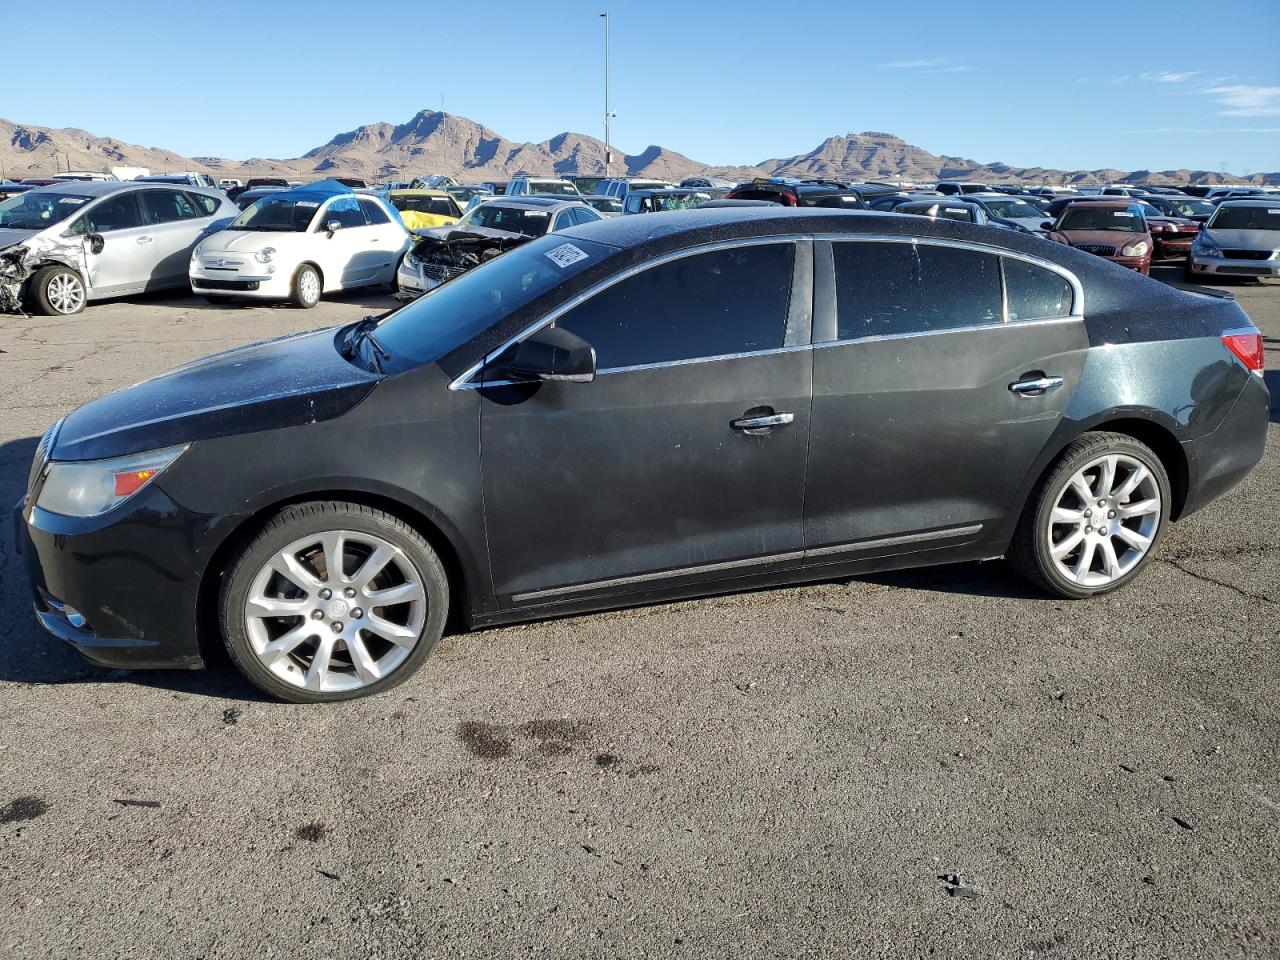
(1241, 239)
(70, 243)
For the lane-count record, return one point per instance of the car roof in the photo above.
(414, 192)
(542, 202)
(1250, 202)
(92, 188)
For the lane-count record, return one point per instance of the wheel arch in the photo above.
(315, 266)
(462, 582)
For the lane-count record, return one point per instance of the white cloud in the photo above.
(1246, 100)
(1167, 76)
(1209, 130)
(934, 65)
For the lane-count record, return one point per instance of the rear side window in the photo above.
(208, 204)
(167, 206)
(888, 289)
(705, 305)
(1035, 293)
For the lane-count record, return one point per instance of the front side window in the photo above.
(889, 289)
(118, 212)
(166, 206)
(705, 305)
(1034, 293)
(346, 211)
(373, 211)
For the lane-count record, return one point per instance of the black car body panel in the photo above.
(556, 497)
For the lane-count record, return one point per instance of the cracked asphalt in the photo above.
(935, 763)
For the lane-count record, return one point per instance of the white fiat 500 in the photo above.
(301, 244)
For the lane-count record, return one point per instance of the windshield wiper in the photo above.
(362, 333)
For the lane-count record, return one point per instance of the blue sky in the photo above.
(1175, 84)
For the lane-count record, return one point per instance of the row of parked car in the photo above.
(65, 242)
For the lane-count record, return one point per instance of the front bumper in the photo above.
(1229, 266)
(262, 281)
(1141, 264)
(411, 281)
(122, 589)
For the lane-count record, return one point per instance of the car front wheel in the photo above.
(333, 601)
(1095, 518)
(59, 291)
(306, 287)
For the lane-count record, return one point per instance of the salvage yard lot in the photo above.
(939, 761)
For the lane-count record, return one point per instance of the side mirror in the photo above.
(553, 354)
(94, 242)
(1046, 225)
(333, 226)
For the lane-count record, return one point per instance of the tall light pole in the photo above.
(608, 156)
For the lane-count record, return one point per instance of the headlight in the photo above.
(265, 255)
(411, 261)
(91, 488)
(1134, 249)
(1207, 248)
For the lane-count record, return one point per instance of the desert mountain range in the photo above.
(437, 142)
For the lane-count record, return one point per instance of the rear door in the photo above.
(944, 371)
(684, 458)
(174, 225)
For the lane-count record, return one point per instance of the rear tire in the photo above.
(307, 287)
(1095, 519)
(333, 601)
(58, 291)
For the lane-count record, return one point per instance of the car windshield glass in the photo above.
(1012, 209)
(1192, 208)
(1090, 216)
(1246, 218)
(605, 204)
(466, 193)
(532, 223)
(555, 187)
(454, 312)
(35, 211)
(277, 215)
(437, 205)
(685, 201)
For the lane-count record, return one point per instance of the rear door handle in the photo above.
(758, 423)
(1036, 387)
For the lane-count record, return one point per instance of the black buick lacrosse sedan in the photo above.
(633, 410)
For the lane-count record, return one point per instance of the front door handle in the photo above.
(144, 239)
(1035, 387)
(764, 422)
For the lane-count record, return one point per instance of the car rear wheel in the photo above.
(59, 291)
(306, 287)
(1095, 518)
(333, 601)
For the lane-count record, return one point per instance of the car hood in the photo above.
(1243, 239)
(459, 233)
(250, 241)
(289, 381)
(10, 236)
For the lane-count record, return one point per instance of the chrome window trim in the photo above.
(463, 380)
(938, 333)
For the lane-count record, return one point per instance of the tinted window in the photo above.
(1035, 293)
(884, 289)
(119, 212)
(373, 212)
(167, 206)
(706, 305)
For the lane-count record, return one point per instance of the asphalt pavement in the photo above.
(936, 763)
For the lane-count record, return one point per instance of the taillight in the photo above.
(1247, 345)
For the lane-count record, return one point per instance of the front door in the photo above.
(931, 397)
(123, 264)
(684, 458)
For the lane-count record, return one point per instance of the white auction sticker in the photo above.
(565, 255)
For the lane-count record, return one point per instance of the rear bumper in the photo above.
(1172, 249)
(1221, 459)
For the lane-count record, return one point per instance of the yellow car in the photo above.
(424, 208)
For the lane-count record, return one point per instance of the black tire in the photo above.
(303, 293)
(47, 301)
(1029, 553)
(217, 301)
(303, 520)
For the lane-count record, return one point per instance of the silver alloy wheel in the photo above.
(309, 286)
(65, 293)
(1104, 520)
(336, 611)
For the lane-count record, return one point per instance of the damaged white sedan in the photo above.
(65, 244)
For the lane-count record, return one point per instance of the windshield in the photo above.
(557, 188)
(686, 201)
(277, 215)
(1237, 218)
(1191, 208)
(1091, 216)
(532, 223)
(451, 314)
(466, 193)
(35, 211)
(1011, 209)
(605, 204)
(442, 206)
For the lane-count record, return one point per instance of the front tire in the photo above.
(59, 291)
(307, 287)
(333, 601)
(1095, 519)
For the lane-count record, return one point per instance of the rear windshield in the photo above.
(442, 206)
(34, 210)
(553, 187)
(1013, 209)
(453, 313)
(1089, 216)
(1246, 218)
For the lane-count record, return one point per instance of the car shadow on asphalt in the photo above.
(988, 579)
(29, 656)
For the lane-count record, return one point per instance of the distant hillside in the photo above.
(437, 142)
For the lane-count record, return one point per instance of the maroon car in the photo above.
(1171, 235)
(1113, 229)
